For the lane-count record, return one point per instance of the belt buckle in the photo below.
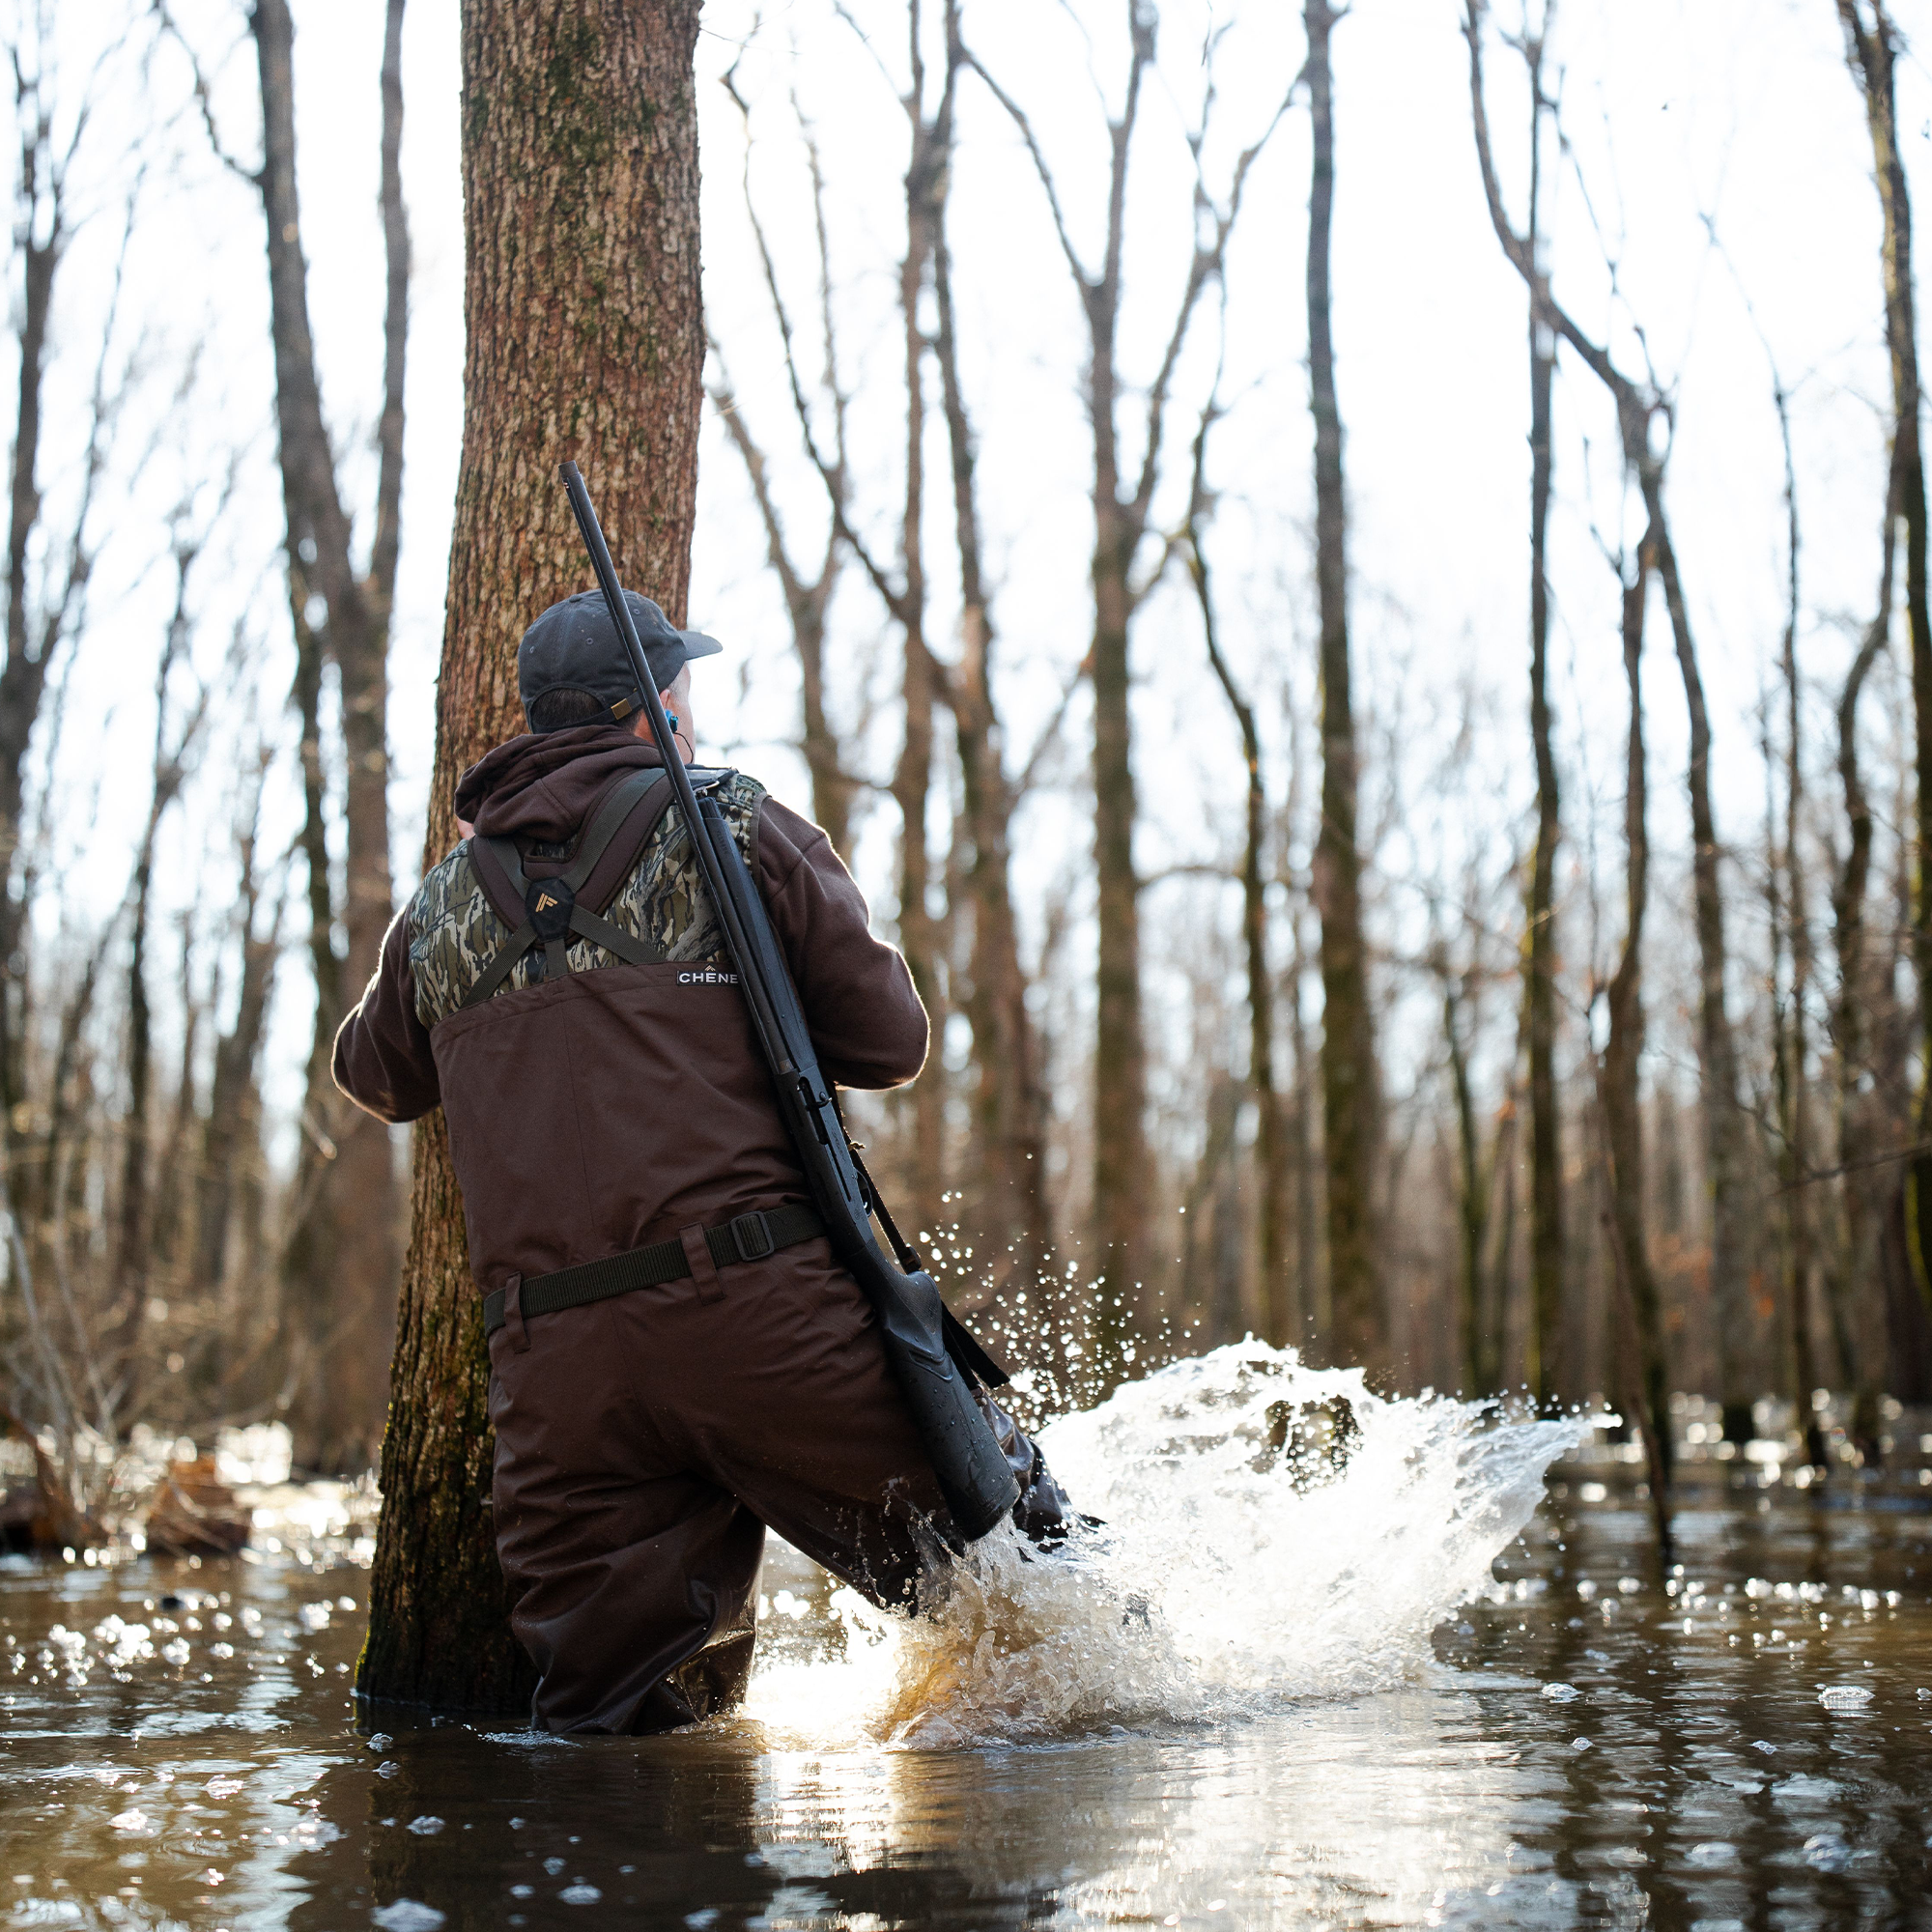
(746, 1228)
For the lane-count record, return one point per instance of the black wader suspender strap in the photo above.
(551, 915)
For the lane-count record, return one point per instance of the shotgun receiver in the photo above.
(934, 1358)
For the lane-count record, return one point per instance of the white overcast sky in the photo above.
(1735, 113)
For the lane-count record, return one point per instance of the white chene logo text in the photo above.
(707, 976)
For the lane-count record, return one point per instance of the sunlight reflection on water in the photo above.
(176, 1744)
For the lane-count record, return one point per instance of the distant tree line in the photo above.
(1526, 1199)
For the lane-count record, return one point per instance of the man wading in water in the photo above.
(706, 1367)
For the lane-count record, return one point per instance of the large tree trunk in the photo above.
(1358, 1331)
(340, 1273)
(584, 339)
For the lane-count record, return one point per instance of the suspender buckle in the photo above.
(752, 1235)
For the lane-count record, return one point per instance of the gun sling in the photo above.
(748, 1237)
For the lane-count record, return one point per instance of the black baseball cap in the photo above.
(575, 646)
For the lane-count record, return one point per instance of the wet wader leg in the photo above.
(627, 1570)
(790, 1405)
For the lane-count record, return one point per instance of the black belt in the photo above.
(750, 1237)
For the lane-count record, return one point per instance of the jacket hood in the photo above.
(542, 784)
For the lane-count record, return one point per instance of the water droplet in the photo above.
(579, 1894)
(424, 1826)
(1561, 1693)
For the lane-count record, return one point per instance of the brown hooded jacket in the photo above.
(598, 1111)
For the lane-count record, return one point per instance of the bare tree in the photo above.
(174, 745)
(807, 600)
(1280, 1296)
(1640, 407)
(1871, 45)
(905, 592)
(1617, 1075)
(1549, 1371)
(1791, 927)
(1009, 1095)
(39, 623)
(234, 1101)
(1860, 1105)
(1349, 1099)
(340, 1265)
(1122, 507)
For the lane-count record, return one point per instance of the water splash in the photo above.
(1271, 1532)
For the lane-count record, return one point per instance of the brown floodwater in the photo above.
(1585, 1741)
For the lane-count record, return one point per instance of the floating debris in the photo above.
(195, 1513)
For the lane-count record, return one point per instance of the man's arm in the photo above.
(382, 1059)
(865, 1013)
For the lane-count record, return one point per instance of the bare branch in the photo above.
(1017, 114)
(204, 101)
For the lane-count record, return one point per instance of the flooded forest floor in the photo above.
(1746, 1741)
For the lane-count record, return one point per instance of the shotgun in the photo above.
(934, 1359)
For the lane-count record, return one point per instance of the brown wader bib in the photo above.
(677, 1359)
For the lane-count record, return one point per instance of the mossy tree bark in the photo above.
(586, 340)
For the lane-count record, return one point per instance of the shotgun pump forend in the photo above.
(934, 1358)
